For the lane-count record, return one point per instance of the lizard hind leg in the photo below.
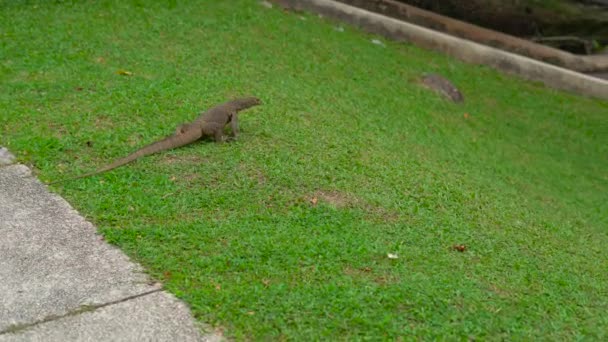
(214, 130)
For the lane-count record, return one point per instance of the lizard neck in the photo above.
(245, 102)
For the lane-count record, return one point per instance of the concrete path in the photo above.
(59, 280)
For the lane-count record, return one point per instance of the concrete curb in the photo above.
(464, 50)
(481, 35)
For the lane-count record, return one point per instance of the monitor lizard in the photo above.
(210, 123)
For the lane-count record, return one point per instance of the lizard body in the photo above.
(209, 123)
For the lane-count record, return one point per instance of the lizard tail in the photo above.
(168, 143)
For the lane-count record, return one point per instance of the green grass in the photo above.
(232, 229)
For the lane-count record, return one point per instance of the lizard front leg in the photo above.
(234, 125)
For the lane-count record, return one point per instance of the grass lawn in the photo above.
(285, 234)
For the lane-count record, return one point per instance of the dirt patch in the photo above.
(336, 198)
(383, 215)
(254, 174)
(59, 131)
(341, 200)
(257, 175)
(357, 272)
(187, 178)
(103, 122)
(189, 159)
(441, 86)
(367, 273)
(498, 291)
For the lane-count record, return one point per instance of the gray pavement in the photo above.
(59, 280)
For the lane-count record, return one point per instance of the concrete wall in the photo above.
(465, 50)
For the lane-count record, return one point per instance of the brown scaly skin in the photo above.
(210, 123)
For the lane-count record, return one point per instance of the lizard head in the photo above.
(246, 102)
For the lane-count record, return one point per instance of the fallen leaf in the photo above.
(168, 194)
(124, 72)
(459, 248)
(466, 115)
(251, 313)
(314, 200)
(377, 42)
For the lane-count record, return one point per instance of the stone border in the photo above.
(464, 50)
(418, 16)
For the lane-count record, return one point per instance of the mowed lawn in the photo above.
(286, 233)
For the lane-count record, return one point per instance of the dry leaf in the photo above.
(459, 248)
(466, 115)
(314, 200)
(377, 42)
(124, 72)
